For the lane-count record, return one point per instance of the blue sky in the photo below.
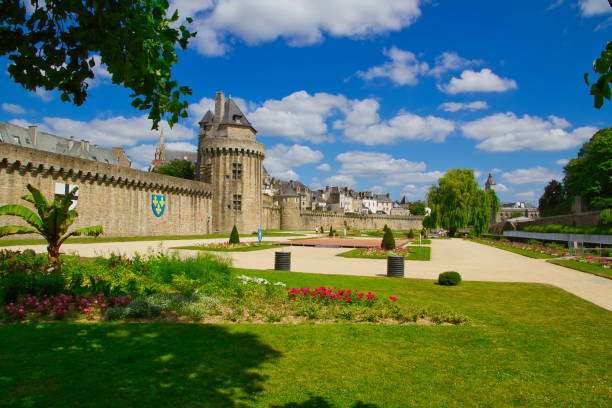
(383, 95)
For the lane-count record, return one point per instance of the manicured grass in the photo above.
(417, 253)
(525, 252)
(239, 248)
(423, 241)
(583, 267)
(525, 345)
(89, 240)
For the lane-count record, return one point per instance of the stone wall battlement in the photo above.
(27, 160)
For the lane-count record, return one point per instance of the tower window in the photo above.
(237, 203)
(236, 171)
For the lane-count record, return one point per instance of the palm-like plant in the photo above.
(51, 220)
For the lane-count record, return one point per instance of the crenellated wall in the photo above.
(117, 198)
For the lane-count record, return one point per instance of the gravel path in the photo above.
(474, 261)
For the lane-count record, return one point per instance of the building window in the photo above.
(16, 139)
(237, 203)
(236, 171)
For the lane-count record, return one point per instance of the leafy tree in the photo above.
(554, 200)
(234, 236)
(589, 175)
(458, 202)
(388, 240)
(417, 208)
(602, 66)
(51, 220)
(56, 44)
(177, 168)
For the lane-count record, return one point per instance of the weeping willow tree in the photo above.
(458, 202)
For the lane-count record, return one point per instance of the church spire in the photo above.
(489, 183)
(160, 151)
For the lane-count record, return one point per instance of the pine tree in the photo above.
(234, 237)
(331, 231)
(388, 241)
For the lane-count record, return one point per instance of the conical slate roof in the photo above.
(232, 115)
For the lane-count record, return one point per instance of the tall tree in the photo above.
(56, 44)
(554, 200)
(51, 220)
(177, 168)
(589, 175)
(458, 202)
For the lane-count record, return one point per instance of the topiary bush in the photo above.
(234, 237)
(388, 241)
(450, 278)
(410, 234)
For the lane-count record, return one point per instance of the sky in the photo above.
(381, 95)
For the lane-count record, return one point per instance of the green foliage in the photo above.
(450, 278)
(417, 208)
(388, 241)
(55, 47)
(177, 168)
(23, 273)
(600, 90)
(568, 229)
(458, 202)
(332, 232)
(605, 217)
(410, 234)
(554, 200)
(51, 221)
(589, 175)
(234, 236)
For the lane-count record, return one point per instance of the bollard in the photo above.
(282, 261)
(395, 266)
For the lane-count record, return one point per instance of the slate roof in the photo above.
(18, 135)
(232, 115)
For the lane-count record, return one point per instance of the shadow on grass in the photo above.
(320, 402)
(130, 365)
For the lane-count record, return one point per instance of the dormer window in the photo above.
(16, 140)
(237, 118)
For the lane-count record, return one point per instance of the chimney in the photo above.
(34, 134)
(219, 106)
(84, 145)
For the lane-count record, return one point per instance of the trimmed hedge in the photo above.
(568, 229)
(450, 278)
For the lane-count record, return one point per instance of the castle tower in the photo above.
(230, 159)
(489, 183)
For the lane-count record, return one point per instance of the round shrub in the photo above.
(450, 278)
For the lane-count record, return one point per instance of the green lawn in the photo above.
(506, 247)
(526, 345)
(244, 248)
(417, 253)
(90, 240)
(583, 267)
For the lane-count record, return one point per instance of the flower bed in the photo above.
(227, 247)
(62, 305)
(532, 248)
(412, 253)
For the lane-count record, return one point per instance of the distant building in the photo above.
(163, 155)
(511, 210)
(34, 138)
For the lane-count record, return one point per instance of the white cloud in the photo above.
(341, 180)
(388, 170)
(24, 123)
(403, 68)
(13, 108)
(484, 80)
(114, 131)
(43, 94)
(299, 116)
(101, 74)
(324, 167)
(451, 61)
(356, 163)
(562, 162)
(534, 175)
(363, 125)
(458, 106)
(298, 22)
(496, 170)
(414, 192)
(505, 132)
(500, 188)
(281, 160)
(590, 8)
(555, 4)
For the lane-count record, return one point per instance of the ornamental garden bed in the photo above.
(411, 253)
(531, 248)
(227, 247)
(199, 289)
(594, 265)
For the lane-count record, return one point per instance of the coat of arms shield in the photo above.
(158, 204)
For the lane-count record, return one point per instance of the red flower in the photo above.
(393, 298)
